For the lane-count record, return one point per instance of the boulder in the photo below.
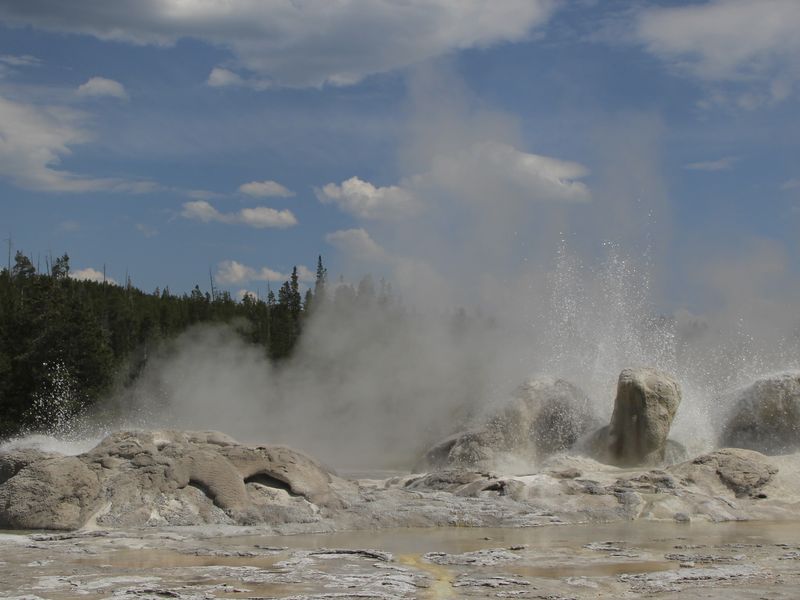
(645, 405)
(449, 481)
(765, 416)
(15, 460)
(542, 417)
(563, 413)
(54, 493)
(136, 478)
(467, 483)
(744, 472)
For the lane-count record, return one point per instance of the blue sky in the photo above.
(420, 140)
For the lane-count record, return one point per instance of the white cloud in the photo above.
(34, 139)
(531, 176)
(90, 274)
(200, 210)
(220, 77)
(233, 272)
(482, 167)
(721, 164)
(259, 217)
(24, 60)
(364, 200)
(10, 62)
(357, 243)
(264, 189)
(262, 216)
(305, 274)
(100, 86)
(751, 44)
(297, 43)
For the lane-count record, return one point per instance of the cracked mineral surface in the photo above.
(615, 560)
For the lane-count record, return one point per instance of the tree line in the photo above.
(64, 342)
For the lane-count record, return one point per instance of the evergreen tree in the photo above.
(58, 334)
(23, 267)
(295, 299)
(320, 282)
(60, 268)
(284, 295)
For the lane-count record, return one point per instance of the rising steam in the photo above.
(575, 290)
(368, 389)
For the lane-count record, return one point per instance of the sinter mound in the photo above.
(135, 478)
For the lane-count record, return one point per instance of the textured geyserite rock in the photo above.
(765, 416)
(137, 478)
(542, 417)
(644, 408)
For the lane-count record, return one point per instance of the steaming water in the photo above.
(59, 420)
(52, 443)
(599, 323)
(601, 320)
(367, 391)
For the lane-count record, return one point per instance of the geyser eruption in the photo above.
(373, 385)
(599, 320)
(60, 421)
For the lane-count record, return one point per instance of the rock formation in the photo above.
(51, 493)
(765, 416)
(744, 472)
(162, 478)
(543, 416)
(646, 403)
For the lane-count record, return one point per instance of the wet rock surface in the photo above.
(14, 461)
(160, 479)
(579, 562)
(644, 408)
(543, 416)
(206, 509)
(765, 415)
(749, 484)
(479, 558)
(675, 581)
(743, 471)
(547, 416)
(410, 539)
(50, 493)
(135, 478)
